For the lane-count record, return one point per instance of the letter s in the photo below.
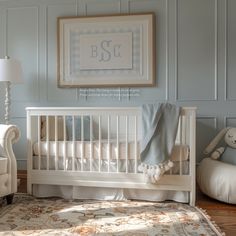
(105, 55)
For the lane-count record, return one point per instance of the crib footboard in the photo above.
(99, 147)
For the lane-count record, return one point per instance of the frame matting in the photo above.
(106, 51)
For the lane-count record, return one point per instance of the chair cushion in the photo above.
(3, 165)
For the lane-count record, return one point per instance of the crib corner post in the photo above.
(192, 199)
(29, 151)
(29, 186)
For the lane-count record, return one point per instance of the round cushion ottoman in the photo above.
(217, 180)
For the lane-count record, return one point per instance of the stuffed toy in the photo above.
(227, 153)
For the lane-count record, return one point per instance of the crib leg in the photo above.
(29, 186)
(192, 198)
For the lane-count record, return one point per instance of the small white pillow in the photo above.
(180, 151)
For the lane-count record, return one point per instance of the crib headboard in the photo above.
(109, 120)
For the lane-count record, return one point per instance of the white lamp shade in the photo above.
(10, 70)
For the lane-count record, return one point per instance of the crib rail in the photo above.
(93, 146)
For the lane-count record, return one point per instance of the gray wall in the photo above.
(196, 54)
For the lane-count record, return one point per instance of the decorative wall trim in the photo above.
(167, 49)
(118, 1)
(176, 50)
(167, 82)
(215, 59)
(37, 99)
(226, 118)
(214, 118)
(216, 50)
(226, 51)
(46, 49)
(227, 96)
(212, 111)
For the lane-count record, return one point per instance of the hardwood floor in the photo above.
(223, 214)
(22, 187)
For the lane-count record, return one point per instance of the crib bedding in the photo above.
(62, 164)
(100, 193)
(81, 192)
(84, 149)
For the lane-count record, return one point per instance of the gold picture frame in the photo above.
(107, 51)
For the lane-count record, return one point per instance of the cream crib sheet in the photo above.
(62, 147)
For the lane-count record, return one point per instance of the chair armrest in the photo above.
(9, 134)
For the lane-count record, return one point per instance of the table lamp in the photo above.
(10, 73)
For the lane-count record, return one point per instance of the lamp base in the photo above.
(7, 103)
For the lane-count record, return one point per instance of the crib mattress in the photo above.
(100, 160)
(94, 193)
(79, 149)
(103, 165)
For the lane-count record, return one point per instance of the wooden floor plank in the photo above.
(223, 214)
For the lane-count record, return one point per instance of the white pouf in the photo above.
(217, 180)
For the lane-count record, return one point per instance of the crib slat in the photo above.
(29, 135)
(192, 156)
(91, 143)
(184, 125)
(126, 143)
(117, 143)
(73, 143)
(47, 141)
(108, 143)
(135, 145)
(181, 143)
(82, 143)
(64, 143)
(39, 142)
(56, 142)
(99, 140)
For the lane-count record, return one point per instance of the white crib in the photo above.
(99, 147)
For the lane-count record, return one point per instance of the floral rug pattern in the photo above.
(53, 216)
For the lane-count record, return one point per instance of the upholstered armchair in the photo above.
(9, 134)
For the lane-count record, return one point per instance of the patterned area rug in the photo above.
(53, 216)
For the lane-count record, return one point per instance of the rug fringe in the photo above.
(216, 228)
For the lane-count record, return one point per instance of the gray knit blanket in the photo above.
(159, 128)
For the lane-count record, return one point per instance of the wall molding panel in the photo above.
(161, 9)
(195, 50)
(230, 121)
(22, 42)
(206, 129)
(230, 50)
(55, 94)
(193, 58)
(94, 7)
